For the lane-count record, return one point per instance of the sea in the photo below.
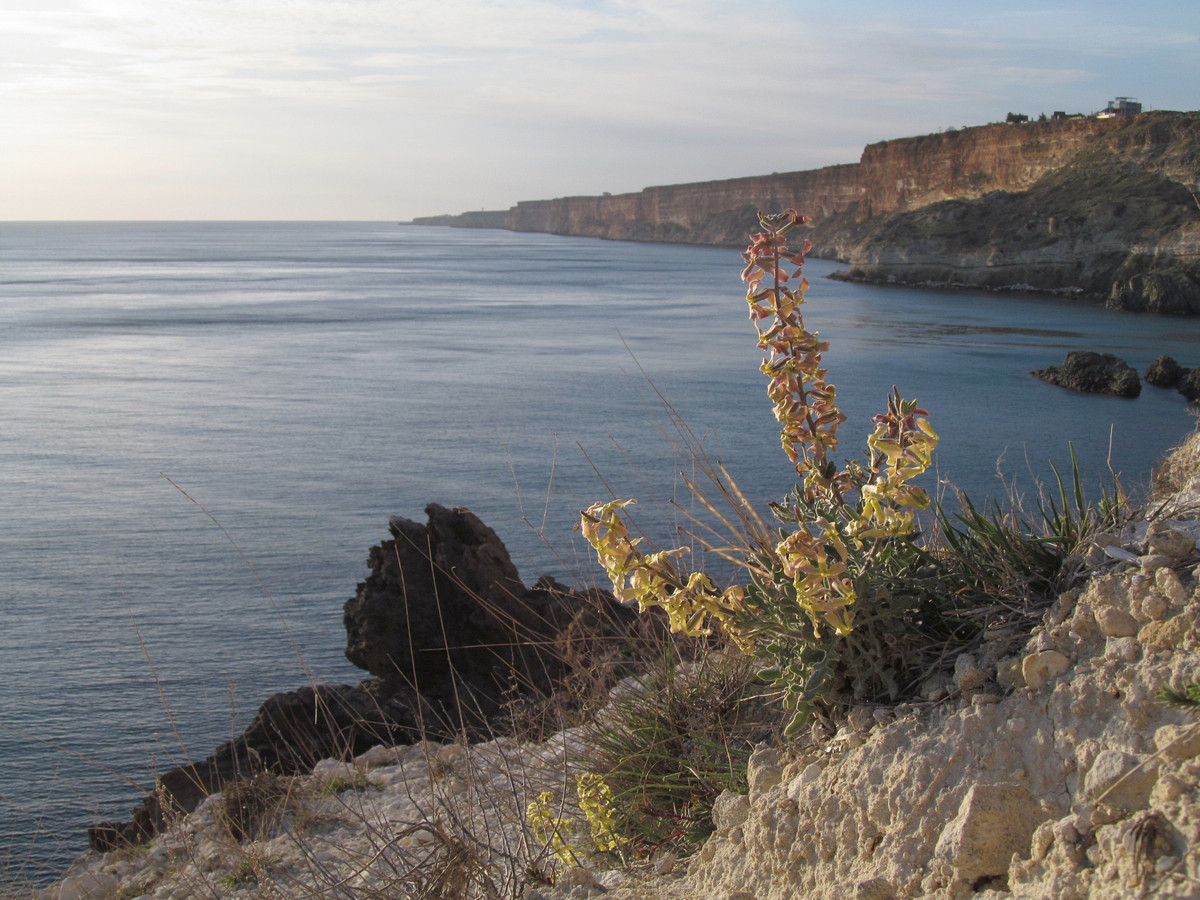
(207, 425)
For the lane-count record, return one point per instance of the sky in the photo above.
(390, 109)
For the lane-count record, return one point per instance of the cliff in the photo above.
(1101, 207)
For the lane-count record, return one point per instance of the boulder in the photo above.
(1164, 372)
(1097, 373)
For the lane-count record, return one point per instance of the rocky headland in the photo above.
(453, 640)
(1104, 209)
(1047, 767)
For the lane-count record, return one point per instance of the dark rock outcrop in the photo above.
(1164, 372)
(1171, 291)
(1097, 373)
(454, 639)
(444, 614)
(290, 733)
(1189, 384)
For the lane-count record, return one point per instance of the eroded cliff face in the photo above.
(1107, 213)
(1102, 207)
(708, 212)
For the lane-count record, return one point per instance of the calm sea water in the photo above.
(205, 426)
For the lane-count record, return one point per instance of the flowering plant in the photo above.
(555, 831)
(853, 543)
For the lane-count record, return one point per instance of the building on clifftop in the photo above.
(1122, 106)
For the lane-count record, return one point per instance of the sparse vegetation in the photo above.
(1186, 698)
(250, 869)
(253, 807)
(670, 743)
(854, 600)
(352, 781)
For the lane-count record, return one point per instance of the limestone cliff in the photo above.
(1102, 207)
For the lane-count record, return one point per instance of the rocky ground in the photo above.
(1051, 772)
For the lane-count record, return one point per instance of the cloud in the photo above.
(507, 99)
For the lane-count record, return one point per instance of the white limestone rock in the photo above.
(993, 822)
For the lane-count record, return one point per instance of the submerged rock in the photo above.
(1097, 373)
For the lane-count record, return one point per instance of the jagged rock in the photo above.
(1164, 372)
(444, 612)
(1097, 373)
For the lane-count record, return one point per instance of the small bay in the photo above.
(207, 425)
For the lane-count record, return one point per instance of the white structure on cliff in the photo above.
(1122, 106)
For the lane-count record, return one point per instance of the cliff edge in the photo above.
(1054, 772)
(1102, 208)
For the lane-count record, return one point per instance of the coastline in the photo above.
(1100, 207)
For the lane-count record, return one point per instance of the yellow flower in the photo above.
(549, 828)
(596, 801)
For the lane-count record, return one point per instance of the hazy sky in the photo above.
(388, 109)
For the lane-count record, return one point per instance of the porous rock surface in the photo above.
(391, 823)
(1080, 784)
(1058, 775)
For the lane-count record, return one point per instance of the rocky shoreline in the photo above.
(452, 638)
(1045, 770)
